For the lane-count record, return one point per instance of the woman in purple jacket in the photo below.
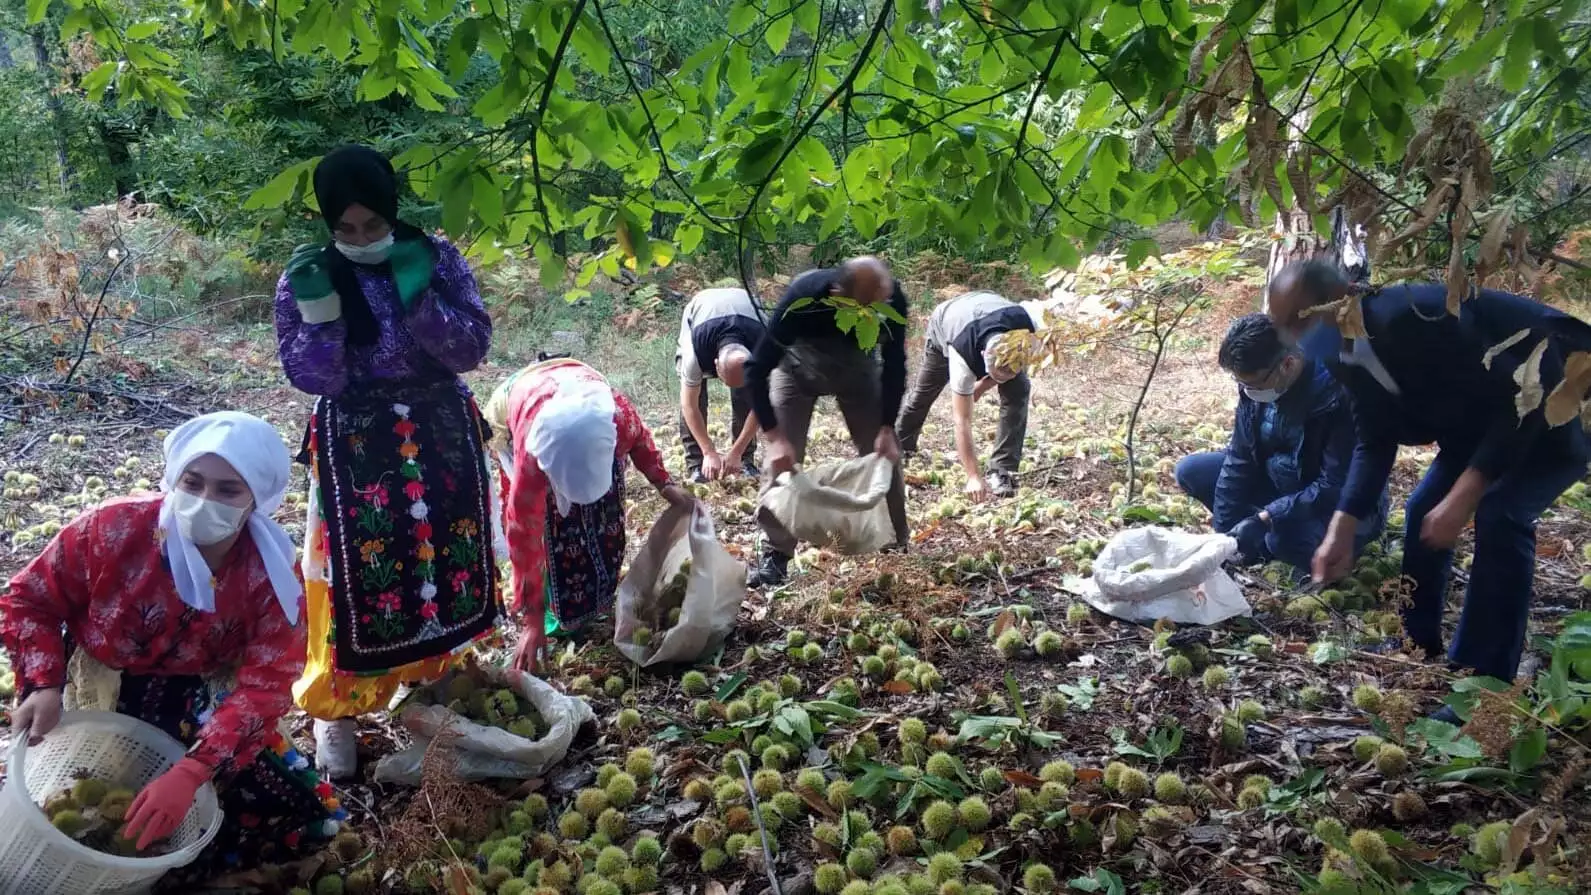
(399, 563)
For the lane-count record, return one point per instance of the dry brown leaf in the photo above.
(1351, 318)
(1457, 279)
(1528, 377)
(1436, 200)
(1202, 49)
(1089, 775)
(1567, 397)
(1414, 152)
(1023, 779)
(898, 688)
(1006, 620)
(816, 802)
(1491, 249)
(1518, 839)
(1298, 178)
(1504, 345)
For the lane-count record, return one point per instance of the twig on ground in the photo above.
(762, 832)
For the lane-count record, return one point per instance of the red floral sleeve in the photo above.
(526, 527)
(55, 586)
(272, 661)
(635, 439)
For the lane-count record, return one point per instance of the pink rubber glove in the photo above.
(160, 808)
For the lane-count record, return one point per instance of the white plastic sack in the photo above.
(486, 752)
(714, 590)
(837, 504)
(1146, 574)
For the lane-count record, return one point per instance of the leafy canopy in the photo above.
(1038, 127)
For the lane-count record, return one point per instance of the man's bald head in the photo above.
(1300, 286)
(866, 279)
(732, 365)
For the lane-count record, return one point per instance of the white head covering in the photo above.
(573, 439)
(255, 450)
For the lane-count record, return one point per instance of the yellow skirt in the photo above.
(329, 694)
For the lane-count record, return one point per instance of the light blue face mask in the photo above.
(374, 253)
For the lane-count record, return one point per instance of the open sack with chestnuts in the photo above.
(509, 724)
(679, 599)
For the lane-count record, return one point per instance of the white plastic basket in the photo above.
(37, 859)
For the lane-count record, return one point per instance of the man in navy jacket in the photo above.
(1276, 485)
(1425, 376)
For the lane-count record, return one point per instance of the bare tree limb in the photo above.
(541, 112)
(864, 55)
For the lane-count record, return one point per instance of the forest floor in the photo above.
(867, 668)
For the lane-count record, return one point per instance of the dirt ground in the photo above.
(973, 575)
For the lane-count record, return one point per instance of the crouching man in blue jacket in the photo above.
(1425, 376)
(1275, 487)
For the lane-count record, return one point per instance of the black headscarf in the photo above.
(357, 175)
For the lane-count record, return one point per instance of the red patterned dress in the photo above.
(102, 586)
(568, 564)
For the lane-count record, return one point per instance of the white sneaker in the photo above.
(336, 748)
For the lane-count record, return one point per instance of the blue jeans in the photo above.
(1292, 540)
(1491, 628)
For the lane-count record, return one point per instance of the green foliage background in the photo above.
(627, 132)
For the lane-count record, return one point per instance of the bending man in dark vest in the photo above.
(719, 329)
(805, 356)
(962, 350)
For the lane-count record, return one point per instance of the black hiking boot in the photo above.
(771, 572)
(696, 477)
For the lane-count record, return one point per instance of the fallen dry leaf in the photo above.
(1023, 779)
(1006, 620)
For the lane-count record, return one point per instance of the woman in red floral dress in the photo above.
(567, 435)
(191, 595)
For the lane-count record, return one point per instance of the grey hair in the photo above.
(1318, 280)
(853, 266)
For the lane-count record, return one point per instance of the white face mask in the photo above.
(206, 522)
(375, 253)
(1262, 395)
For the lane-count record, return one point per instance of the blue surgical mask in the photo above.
(375, 253)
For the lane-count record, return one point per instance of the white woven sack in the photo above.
(837, 504)
(484, 752)
(1146, 574)
(713, 593)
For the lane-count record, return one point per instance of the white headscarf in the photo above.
(255, 450)
(573, 439)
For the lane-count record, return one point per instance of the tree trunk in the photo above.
(118, 152)
(41, 56)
